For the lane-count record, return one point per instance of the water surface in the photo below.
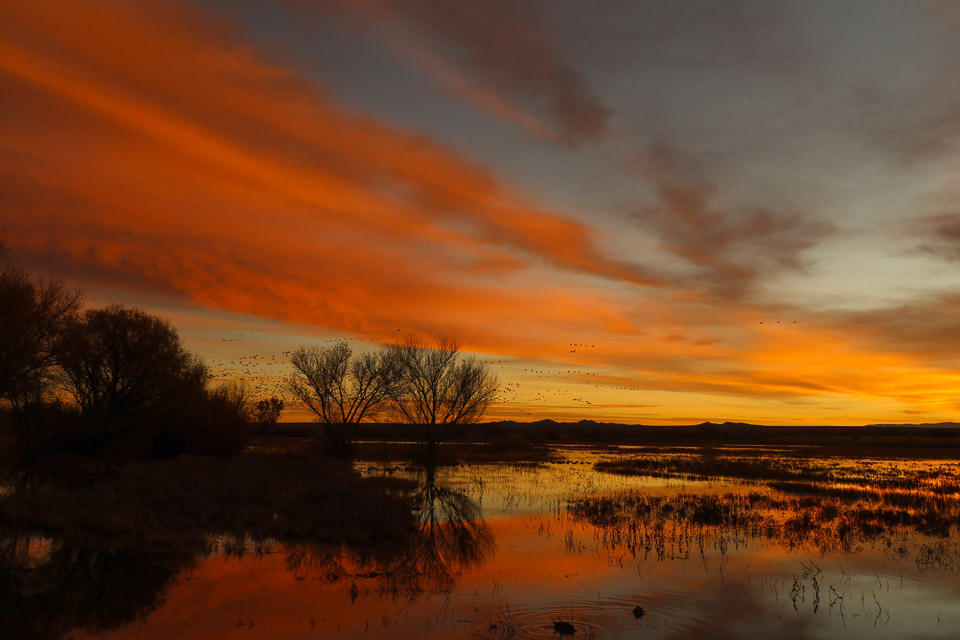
(833, 548)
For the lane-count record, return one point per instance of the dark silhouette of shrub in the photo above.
(266, 412)
(217, 422)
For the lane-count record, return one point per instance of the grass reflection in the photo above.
(830, 505)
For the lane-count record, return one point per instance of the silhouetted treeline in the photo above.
(113, 382)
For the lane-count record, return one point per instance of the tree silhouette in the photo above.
(123, 367)
(451, 537)
(342, 388)
(437, 387)
(33, 315)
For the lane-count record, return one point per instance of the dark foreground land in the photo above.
(252, 496)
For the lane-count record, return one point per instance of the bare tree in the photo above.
(33, 316)
(342, 388)
(438, 387)
(123, 366)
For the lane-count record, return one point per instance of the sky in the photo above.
(637, 211)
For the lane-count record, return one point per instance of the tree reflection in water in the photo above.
(48, 588)
(45, 591)
(450, 537)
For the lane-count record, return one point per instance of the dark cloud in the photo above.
(505, 46)
(896, 92)
(749, 34)
(908, 130)
(512, 46)
(731, 246)
(940, 236)
(925, 328)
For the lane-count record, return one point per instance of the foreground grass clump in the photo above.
(256, 496)
(670, 526)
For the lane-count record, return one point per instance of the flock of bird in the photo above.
(522, 388)
(263, 372)
(566, 390)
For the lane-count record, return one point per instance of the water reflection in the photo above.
(904, 509)
(826, 555)
(451, 536)
(671, 526)
(48, 588)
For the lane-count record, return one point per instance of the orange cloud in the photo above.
(147, 146)
(187, 166)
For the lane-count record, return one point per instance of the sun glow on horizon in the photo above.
(199, 164)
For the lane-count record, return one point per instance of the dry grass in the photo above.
(675, 525)
(786, 470)
(831, 504)
(257, 496)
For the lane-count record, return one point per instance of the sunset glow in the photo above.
(747, 219)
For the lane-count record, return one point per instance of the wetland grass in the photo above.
(254, 495)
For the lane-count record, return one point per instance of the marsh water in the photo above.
(823, 548)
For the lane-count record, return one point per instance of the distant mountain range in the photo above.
(925, 425)
(942, 437)
(728, 424)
